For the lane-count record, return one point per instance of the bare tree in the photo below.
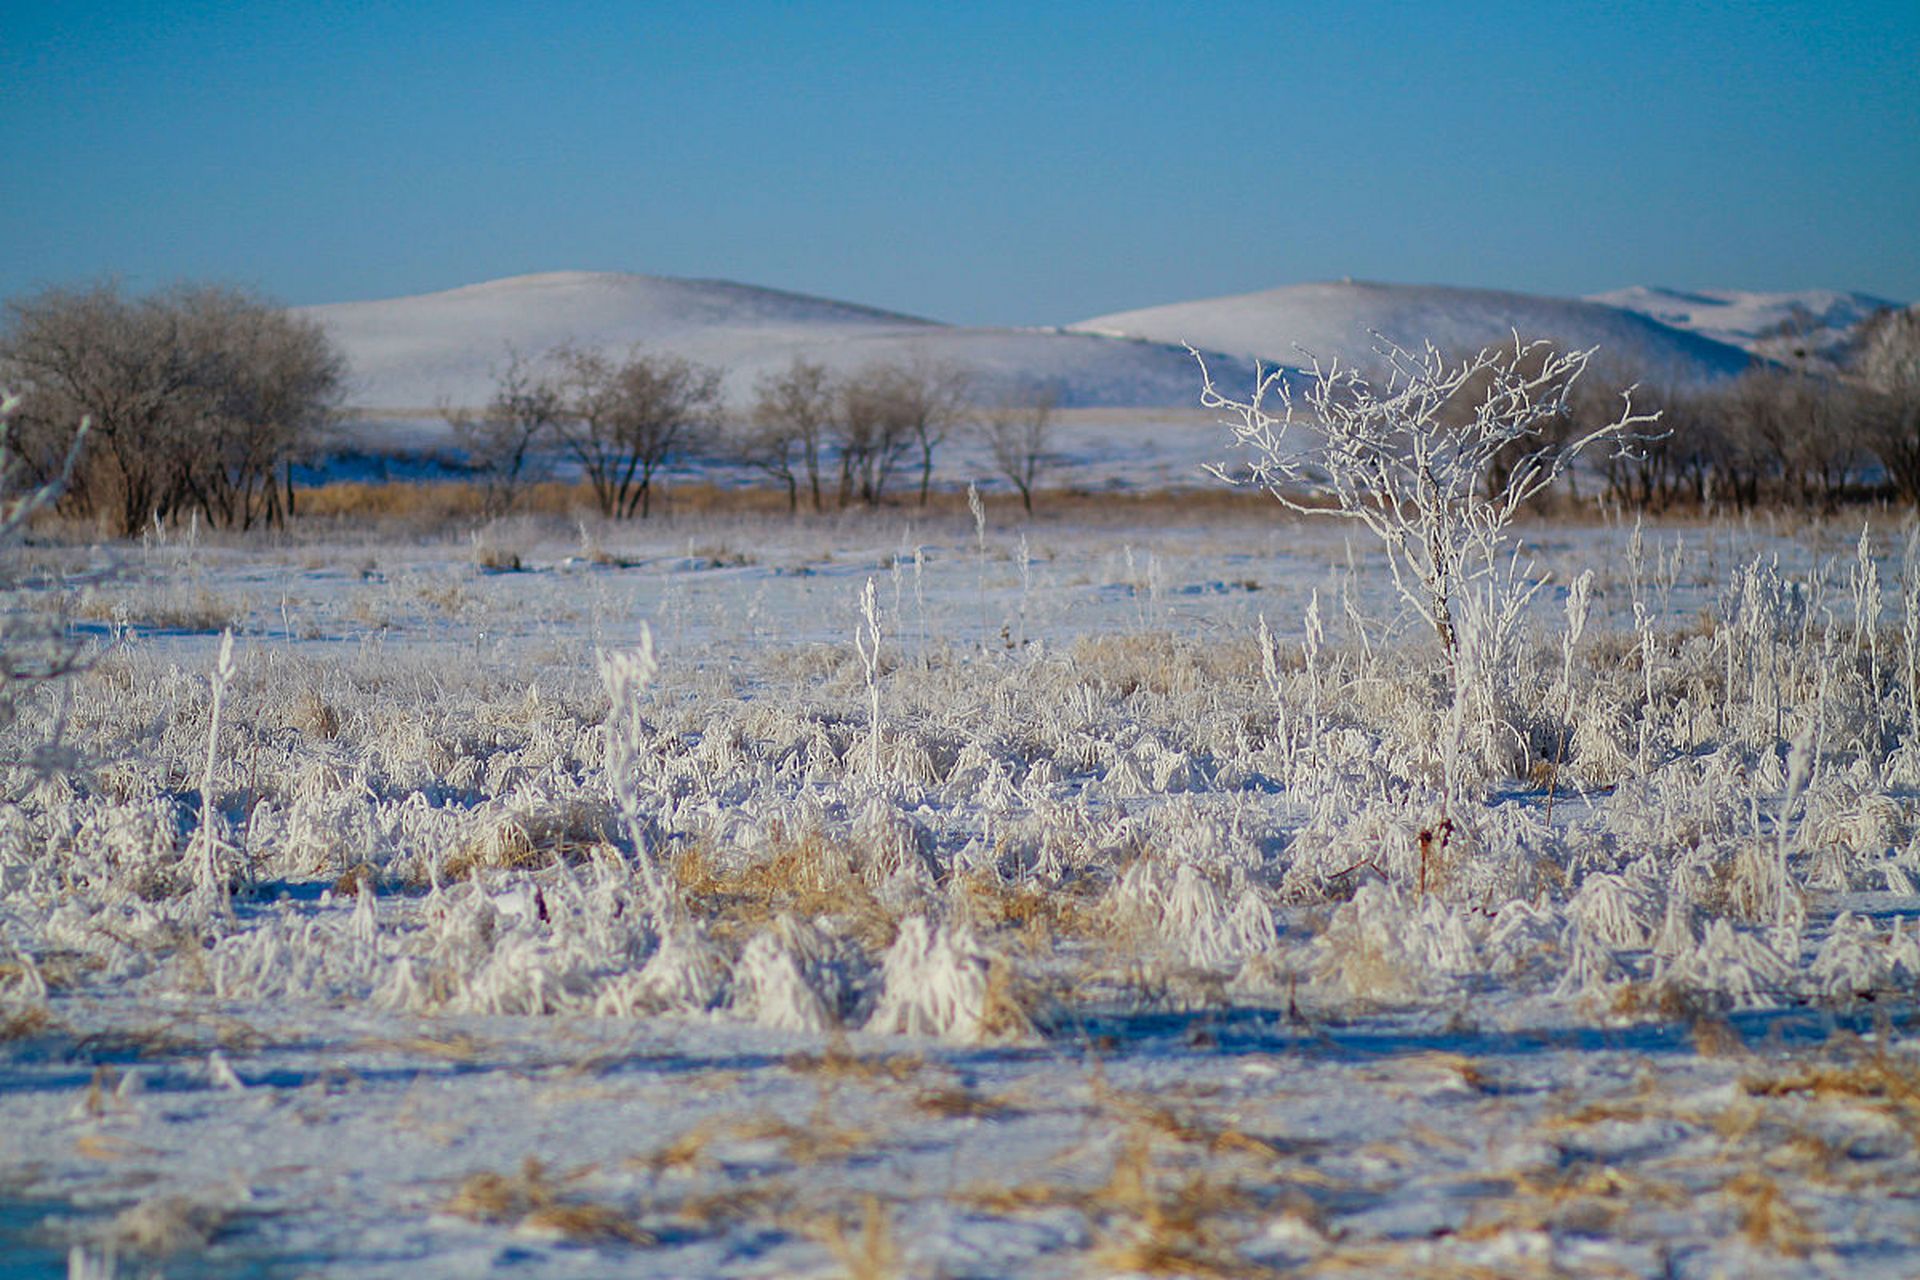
(1888, 365)
(872, 432)
(1020, 432)
(199, 397)
(268, 384)
(627, 420)
(933, 401)
(502, 440)
(792, 417)
(889, 412)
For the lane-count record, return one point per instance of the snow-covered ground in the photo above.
(1114, 945)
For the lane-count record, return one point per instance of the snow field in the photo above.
(1149, 927)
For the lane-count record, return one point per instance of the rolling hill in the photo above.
(413, 353)
(1819, 324)
(1336, 320)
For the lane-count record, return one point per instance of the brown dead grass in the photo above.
(530, 841)
(1767, 1218)
(838, 1061)
(425, 505)
(1883, 1081)
(955, 1102)
(808, 878)
(532, 1200)
(456, 1046)
(1162, 663)
(1034, 915)
(870, 1252)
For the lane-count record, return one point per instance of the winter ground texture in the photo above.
(926, 897)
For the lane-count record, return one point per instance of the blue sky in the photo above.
(986, 163)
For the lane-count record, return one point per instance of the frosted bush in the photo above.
(796, 978)
(939, 981)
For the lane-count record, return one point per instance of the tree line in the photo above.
(203, 400)
(826, 438)
(1777, 435)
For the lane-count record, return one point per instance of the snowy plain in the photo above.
(1098, 952)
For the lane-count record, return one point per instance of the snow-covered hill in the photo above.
(1337, 320)
(1809, 323)
(418, 352)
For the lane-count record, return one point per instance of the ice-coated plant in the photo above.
(1437, 462)
(1402, 461)
(625, 675)
(210, 850)
(33, 652)
(866, 640)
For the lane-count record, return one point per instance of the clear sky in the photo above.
(983, 162)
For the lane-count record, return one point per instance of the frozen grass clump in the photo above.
(938, 980)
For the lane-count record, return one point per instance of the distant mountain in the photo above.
(417, 352)
(1337, 320)
(1816, 324)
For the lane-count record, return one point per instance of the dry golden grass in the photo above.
(456, 1046)
(838, 1062)
(872, 1252)
(532, 1201)
(765, 1200)
(585, 1224)
(22, 1024)
(181, 608)
(430, 504)
(686, 1152)
(1036, 916)
(529, 841)
(1882, 1081)
(1168, 1225)
(1714, 1037)
(1767, 1218)
(808, 878)
(1163, 663)
(314, 715)
(955, 1102)
(820, 1140)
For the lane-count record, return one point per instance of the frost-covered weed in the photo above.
(648, 836)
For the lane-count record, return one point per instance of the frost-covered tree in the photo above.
(1889, 366)
(1410, 459)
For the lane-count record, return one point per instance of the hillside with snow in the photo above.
(1337, 320)
(419, 352)
(1816, 324)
